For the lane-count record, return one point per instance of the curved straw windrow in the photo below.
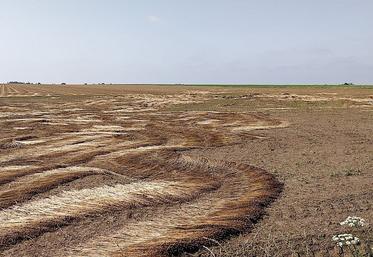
(9, 173)
(151, 198)
(30, 217)
(23, 188)
(243, 197)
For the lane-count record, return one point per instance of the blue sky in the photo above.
(187, 41)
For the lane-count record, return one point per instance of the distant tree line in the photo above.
(38, 83)
(18, 82)
(21, 82)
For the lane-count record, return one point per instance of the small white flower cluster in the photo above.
(346, 239)
(354, 222)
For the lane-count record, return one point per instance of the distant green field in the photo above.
(281, 86)
(331, 86)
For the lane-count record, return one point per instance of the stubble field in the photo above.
(177, 170)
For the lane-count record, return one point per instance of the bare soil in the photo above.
(183, 170)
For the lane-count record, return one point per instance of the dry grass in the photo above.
(148, 157)
(37, 216)
(24, 188)
(212, 217)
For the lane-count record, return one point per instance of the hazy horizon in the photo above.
(187, 42)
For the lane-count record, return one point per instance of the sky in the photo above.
(187, 41)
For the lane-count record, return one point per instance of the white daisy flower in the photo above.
(346, 239)
(354, 221)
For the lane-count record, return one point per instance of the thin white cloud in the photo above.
(153, 19)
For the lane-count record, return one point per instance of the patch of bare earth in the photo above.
(325, 160)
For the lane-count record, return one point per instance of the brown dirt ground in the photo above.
(221, 142)
(325, 160)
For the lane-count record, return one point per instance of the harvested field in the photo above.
(171, 170)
